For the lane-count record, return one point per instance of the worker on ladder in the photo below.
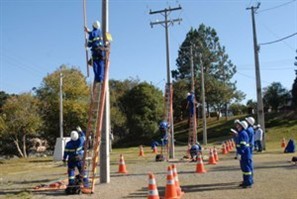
(191, 103)
(95, 42)
(74, 150)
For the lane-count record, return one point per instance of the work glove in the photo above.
(87, 29)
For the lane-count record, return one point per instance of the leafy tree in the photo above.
(275, 95)
(76, 96)
(218, 68)
(143, 109)
(19, 119)
(3, 97)
(251, 106)
(238, 109)
(294, 87)
(180, 90)
(118, 118)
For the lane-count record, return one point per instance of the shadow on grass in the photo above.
(40, 161)
(211, 187)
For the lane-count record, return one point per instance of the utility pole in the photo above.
(105, 141)
(166, 23)
(61, 105)
(203, 101)
(260, 110)
(193, 90)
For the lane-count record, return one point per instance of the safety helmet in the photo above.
(244, 124)
(236, 121)
(78, 129)
(96, 25)
(74, 135)
(250, 120)
(258, 126)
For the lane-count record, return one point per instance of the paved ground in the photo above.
(274, 177)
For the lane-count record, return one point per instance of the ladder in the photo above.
(94, 128)
(168, 114)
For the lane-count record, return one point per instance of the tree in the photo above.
(19, 119)
(76, 94)
(3, 97)
(117, 111)
(251, 106)
(180, 90)
(143, 109)
(218, 68)
(294, 87)
(238, 109)
(275, 95)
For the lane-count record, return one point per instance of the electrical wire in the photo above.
(275, 7)
(278, 40)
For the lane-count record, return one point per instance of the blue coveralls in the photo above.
(163, 128)
(74, 150)
(243, 148)
(194, 150)
(191, 105)
(251, 133)
(95, 42)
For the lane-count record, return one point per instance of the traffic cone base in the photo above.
(211, 159)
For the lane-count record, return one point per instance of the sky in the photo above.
(38, 36)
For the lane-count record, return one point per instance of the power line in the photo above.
(278, 40)
(275, 7)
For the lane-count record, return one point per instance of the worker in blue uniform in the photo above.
(194, 150)
(74, 151)
(191, 103)
(95, 42)
(251, 133)
(163, 127)
(243, 149)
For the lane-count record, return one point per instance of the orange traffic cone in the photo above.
(155, 150)
(233, 143)
(231, 146)
(211, 159)
(141, 152)
(152, 188)
(179, 192)
(200, 165)
(224, 150)
(215, 154)
(170, 190)
(283, 143)
(122, 166)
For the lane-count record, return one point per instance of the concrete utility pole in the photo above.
(166, 23)
(260, 110)
(61, 105)
(203, 101)
(193, 89)
(105, 141)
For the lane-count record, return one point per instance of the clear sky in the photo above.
(37, 36)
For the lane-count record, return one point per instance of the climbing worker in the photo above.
(258, 138)
(74, 151)
(194, 150)
(163, 127)
(243, 149)
(191, 103)
(95, 42)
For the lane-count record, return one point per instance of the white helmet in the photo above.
(78, 129)
(96, 25)
(236, 121)
(250, 120)
(74, 135)
(244, 124)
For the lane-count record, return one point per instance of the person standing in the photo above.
(95, 42)
(258, 138)
(74, 151)
(243, 149)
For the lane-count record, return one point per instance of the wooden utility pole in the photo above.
(166, 23)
